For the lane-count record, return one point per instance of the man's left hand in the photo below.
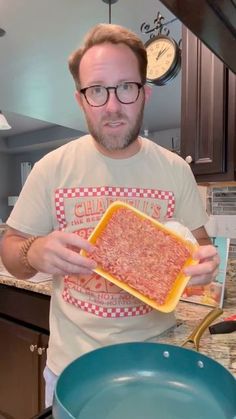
(207, 268)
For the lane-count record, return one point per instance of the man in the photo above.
(70, 188)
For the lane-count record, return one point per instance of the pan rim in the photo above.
(202, 363)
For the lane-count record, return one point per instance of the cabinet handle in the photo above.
(33, 348)
(41, 350)
(189, 159)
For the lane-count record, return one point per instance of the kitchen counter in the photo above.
(40, 287)
(44, 287)
(222, 347)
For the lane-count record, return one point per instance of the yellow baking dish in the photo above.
(181, 279)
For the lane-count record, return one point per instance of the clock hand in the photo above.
(161, 53)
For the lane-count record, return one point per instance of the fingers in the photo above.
(207, 268)
(71, 260)
(76, 242)
(203, 279)
(204, 252)
(58, 254)
(63, 268)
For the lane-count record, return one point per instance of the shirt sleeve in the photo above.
(189, 206)
(33, 211)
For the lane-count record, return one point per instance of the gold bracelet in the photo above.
(24, 252)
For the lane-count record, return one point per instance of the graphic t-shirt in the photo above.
(69, 190)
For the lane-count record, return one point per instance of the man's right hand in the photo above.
(58, 253)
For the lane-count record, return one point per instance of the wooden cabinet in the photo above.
(24, 337)
(208, 117)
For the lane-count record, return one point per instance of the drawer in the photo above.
(25, 306)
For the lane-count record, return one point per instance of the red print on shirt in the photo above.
(79, 210)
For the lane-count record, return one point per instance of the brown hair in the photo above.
(114, 34)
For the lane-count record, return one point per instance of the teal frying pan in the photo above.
(144, 380)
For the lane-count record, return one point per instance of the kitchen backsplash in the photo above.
(220, 202)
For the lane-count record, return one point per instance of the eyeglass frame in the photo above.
(108, 88)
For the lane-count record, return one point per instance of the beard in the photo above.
(115, 141)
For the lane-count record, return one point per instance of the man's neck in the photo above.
(125, 153)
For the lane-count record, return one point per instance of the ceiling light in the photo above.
(3, 122)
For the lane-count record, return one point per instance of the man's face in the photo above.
(114, 125)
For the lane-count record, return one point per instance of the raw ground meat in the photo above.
(138, 253)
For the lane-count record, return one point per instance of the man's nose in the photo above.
(113, 102)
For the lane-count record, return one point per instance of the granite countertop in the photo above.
(220, 347)
(44, 287)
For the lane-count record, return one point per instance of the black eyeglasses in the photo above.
(126, 93)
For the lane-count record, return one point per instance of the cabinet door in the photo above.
(42, 353)
(18, 371)
(204, 98)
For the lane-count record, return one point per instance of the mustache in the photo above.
(117, 116)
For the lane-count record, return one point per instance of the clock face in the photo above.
(162, 55)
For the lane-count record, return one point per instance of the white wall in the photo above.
(10, 163)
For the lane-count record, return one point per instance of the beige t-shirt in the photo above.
(69, 190)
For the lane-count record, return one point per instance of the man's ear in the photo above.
(78, 98)
(148, 92)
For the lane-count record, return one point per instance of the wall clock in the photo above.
(164, 59)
